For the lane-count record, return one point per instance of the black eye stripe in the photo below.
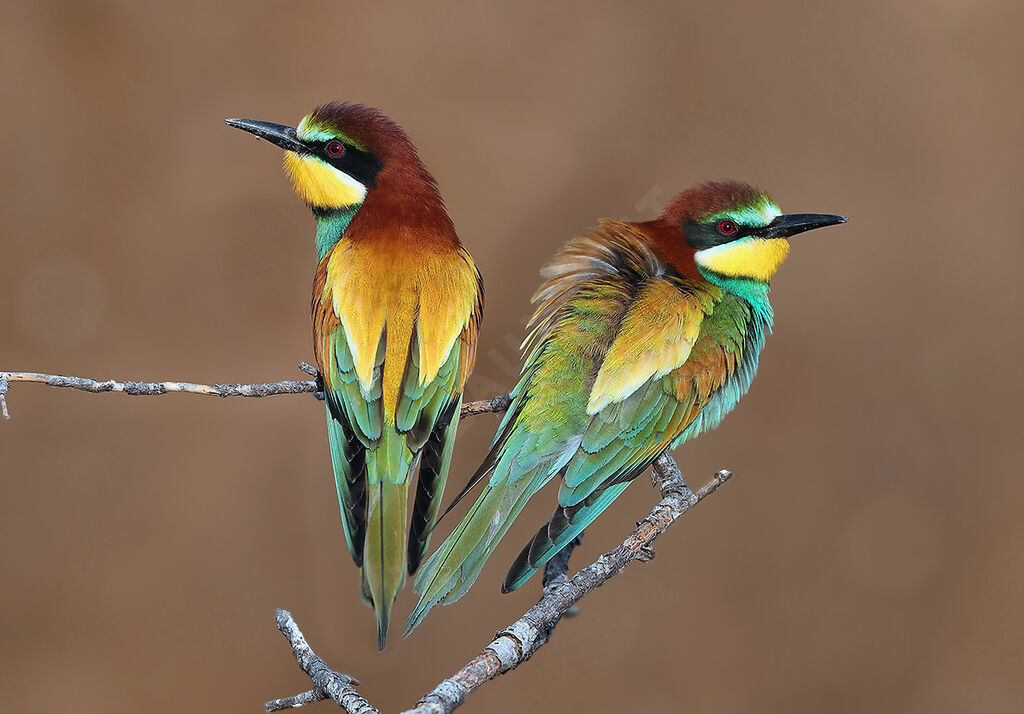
(360, 165)
(708, 235)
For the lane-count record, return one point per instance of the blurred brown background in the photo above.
(866, 556)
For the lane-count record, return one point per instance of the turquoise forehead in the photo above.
(759, 212)
(309, 129)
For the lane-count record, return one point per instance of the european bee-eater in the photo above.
(645, 335)
(397, 303)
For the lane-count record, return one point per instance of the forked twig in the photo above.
(517, 642)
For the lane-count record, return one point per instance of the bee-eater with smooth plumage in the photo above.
(397, 303)
(645, 335)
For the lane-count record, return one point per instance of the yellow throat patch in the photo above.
(749, 257)
(320, 184)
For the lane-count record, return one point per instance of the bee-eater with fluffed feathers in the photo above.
(645, 335)
(397, 303)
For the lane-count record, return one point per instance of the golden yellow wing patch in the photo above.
(445, 309)
(656, 336)
(361, 304)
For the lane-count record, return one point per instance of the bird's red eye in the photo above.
(726, 228)
(335, 148)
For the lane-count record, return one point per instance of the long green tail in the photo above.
(384, 550)
(452, 569)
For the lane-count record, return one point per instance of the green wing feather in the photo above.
(625, 438)
(353, 427)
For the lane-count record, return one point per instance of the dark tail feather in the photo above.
(348, 458)
(564, 525)
(382, 630)
(543, 542)
(435, 459)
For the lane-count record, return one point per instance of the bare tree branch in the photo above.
(153, 388)
(327, 682)
(266, 389)
(510, 647)
(554, 575)
(517, 642)
(299, 700)
(3, 396)
(495, 405)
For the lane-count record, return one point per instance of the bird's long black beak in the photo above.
(279, 134)
(793, 223)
